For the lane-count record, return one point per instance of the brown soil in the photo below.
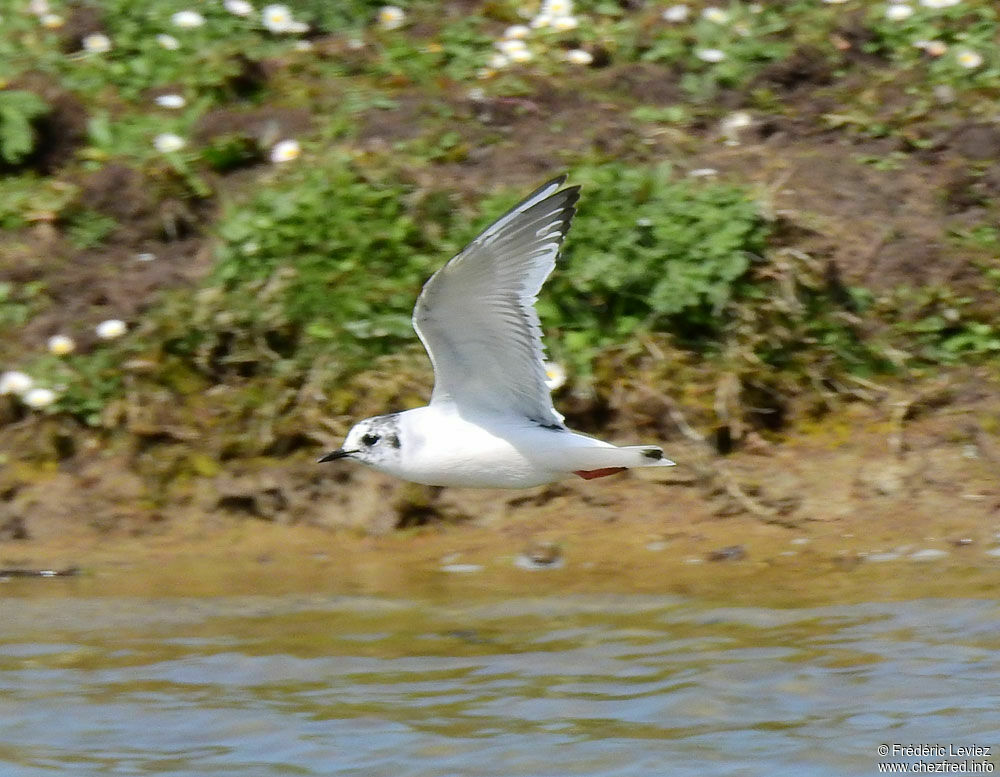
(265, 125)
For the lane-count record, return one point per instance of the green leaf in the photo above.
(18, 110)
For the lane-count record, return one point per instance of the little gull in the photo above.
(490, 422)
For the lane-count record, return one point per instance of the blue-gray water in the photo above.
(624, 685)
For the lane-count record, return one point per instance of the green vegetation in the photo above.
(339, 258)
(307, 269)
(29, 197)
(677, 257)
(338, 254)
(18, 303)
(87, 228)
(18, 111)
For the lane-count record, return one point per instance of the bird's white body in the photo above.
(490, 422)
(491, 451)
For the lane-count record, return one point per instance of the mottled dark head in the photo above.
(373, 441)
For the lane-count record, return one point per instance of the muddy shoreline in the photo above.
(842, 510)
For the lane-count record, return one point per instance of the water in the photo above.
(582, 685)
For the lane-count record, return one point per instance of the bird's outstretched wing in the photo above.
(476, 315)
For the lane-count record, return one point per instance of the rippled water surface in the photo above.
(550, 686)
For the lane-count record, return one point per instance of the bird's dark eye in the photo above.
(370, 439)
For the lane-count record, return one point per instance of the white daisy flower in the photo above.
(39, 7)
(15, 382)
(520, 56)
(579, 57)
(676, 14)
(111, 329)
(170, 101)
(187, 19)
(564, 23)
(557, 7)
(285, 151)
(96, 43)
(238, 7)
(555, 375)
(39, 398)
(541, 21)
(168, 142)
(52, 21)
(517, 32)
(499, 61)
(508, 47)
(939, 3)
(968, 58)
(702, 172)
(710, 55)
(60, 345)
(391, 17)
(715, 15)
(145, 256)
(898, 11)
(732, 124)
(737, 120)
(276, 18)
(169, 42)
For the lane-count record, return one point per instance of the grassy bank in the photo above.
(789, 209)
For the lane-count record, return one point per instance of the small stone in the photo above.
(728, 553)
(543, 555)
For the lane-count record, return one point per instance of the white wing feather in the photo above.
(476, 315)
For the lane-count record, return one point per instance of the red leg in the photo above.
(590, 474)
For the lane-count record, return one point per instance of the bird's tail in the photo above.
(600, 458)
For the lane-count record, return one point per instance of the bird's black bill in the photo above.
(334, 455)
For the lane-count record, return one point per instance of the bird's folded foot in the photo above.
(590, 474)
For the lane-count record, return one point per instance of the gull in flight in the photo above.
(490, 422)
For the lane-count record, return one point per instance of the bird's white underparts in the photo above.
(490, 422)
